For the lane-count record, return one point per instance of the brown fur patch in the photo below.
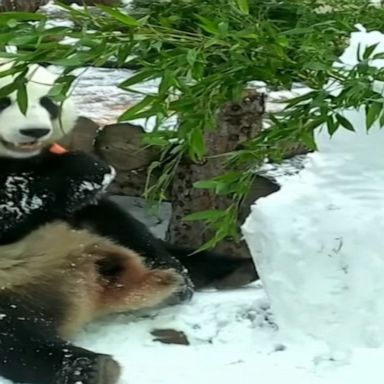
(94, 275)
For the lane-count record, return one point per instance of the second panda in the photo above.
(56, 280)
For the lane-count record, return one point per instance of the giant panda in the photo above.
(67, 252)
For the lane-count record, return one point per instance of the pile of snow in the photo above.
(318, 242)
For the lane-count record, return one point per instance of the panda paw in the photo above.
(98, 369)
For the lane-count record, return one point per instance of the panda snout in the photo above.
(183, 294)
(35, 133)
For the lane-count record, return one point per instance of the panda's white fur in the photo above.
(12, 120)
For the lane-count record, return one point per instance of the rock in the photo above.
(170, 336)
(244, 274)
(122, 146)
(156, 221)
(82, 137)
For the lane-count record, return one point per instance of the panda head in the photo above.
(45, 122)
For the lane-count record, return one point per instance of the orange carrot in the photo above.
(57, 149)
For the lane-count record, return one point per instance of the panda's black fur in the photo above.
(69, 254)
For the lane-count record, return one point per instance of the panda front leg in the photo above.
(30, 351)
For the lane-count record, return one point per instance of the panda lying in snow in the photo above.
(67, 253)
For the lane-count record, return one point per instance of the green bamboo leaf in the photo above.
(20, 40)
(344, 122)
(205, 184)
(74, 61)
(372, 112)
(358, 53)
(208, 25)
(331, 125)
(297, 100)
(196, 144)
(191, 57)
(243, 6)
(11, 71)
(167, 82)
(211, 214)
(223, 28)
(8, 89)
(208, 245)
(377, 56)
(22, 98)
(308, 139)
(120, 16)
(5, 17)
(136, 79)
(315, 123)
(133, 112)
(368, 51)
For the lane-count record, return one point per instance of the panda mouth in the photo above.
(30, 146)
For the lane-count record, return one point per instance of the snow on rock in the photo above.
(318, 242)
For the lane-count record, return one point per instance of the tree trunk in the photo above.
(237, 122)
(21, 5)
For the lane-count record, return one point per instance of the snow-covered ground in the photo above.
(233, 339)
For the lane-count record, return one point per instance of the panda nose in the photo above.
(35, 133)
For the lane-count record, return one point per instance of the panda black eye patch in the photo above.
(50, 106)
(4, 103)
